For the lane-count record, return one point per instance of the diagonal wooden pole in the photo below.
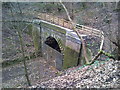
(74, 29)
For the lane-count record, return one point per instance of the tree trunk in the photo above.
(118, 37)
(23, 54)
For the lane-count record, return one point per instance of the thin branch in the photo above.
(102, 40)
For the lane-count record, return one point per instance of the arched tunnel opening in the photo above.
(51, 41)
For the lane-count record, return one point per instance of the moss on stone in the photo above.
(53, 27)
(29, 31)
(70, 58)
(36, 39)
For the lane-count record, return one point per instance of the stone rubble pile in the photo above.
(98, 75)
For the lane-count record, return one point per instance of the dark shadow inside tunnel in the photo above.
(51, 41)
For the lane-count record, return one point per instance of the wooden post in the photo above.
(45, 16)
(53, 18)
(58, 21)
(69, 24)
(63, 22)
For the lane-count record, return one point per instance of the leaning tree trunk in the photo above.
(23, 54)
(118, 37)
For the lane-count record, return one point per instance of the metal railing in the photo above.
(67, 24)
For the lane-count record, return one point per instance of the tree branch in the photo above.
(102, 52)
(74, 29)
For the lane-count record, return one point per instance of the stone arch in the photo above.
(60, 43)
(52, 42)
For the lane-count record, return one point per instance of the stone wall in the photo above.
(69, 45)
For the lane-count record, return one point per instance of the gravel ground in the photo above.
(105, 74)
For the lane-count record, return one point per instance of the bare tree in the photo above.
(118, 37)
(112, 35)
(19, 33)
(83, 42)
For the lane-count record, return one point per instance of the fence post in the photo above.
(53, 18)
(45, 16)
(58, 21)
(63, 22)
(69, 25)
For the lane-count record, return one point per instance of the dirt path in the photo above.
(39, 70)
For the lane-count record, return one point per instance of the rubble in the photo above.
(101, 74)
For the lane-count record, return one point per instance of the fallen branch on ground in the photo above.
(100, 53)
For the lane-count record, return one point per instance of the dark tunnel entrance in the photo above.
(50, 41)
